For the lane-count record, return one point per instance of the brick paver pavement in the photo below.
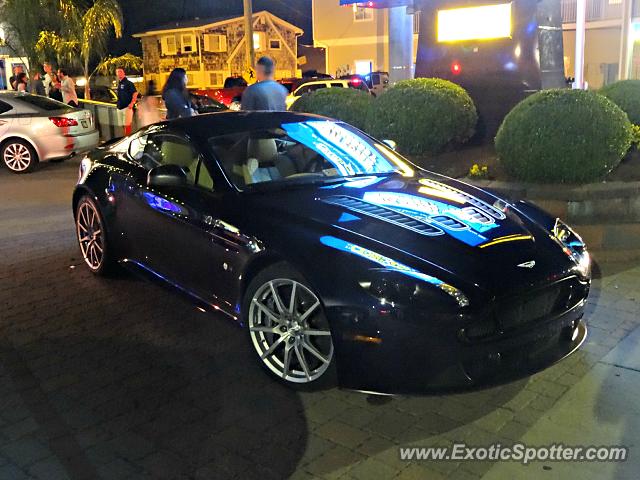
(124, 379)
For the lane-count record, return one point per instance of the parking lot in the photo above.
(122, 378)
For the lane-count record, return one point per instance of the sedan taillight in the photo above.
(64, 122)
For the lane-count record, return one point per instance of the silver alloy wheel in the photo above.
(17, 157)
(90, 235)
(289, 330)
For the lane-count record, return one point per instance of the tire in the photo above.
(19, 156)
(92, 238)
(282, 336)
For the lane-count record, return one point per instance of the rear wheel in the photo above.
(288, 328)
(19, 156)
(92, 237)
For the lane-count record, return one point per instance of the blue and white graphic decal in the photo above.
(162, 204)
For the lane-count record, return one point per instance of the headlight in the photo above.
(391, 287)
(573, 246)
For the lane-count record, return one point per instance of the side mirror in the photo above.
(167, 176)
(390, 143)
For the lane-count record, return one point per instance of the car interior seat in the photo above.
(262, 155)
(180, 154)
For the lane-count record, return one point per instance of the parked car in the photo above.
(313, 85)
(377, 82)
(202, 104)
(230, 94)
(36, 129)
(292, 83)
(332, 250)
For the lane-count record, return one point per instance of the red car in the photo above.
(230, 94)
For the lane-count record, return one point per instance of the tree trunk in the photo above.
(87, 88)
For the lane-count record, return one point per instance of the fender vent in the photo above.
(383, 213)
(470, 199)
(477, 216)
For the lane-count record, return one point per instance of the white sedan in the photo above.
(35, 129)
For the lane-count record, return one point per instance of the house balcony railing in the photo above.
(595, 10)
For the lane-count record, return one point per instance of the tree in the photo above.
(23, 20)
(83, 34)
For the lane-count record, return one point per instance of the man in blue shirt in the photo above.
(266, 94)
(127, 96)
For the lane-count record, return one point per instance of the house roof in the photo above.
(206, 23)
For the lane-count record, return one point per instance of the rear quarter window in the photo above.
(43, 103)
(4, 107)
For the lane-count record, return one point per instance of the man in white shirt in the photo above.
(47, 77)
(68, 88)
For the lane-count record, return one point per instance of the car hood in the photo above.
(431, 223)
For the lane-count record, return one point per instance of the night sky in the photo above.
(142, 14)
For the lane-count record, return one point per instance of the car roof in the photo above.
(223, 123)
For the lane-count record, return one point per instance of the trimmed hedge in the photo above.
(346, 104)
(423, 115)
(625, 94)
(563, 136)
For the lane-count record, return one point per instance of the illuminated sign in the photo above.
(474, 23)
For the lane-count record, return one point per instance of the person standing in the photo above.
(176, 96)
(266, 94)
(48, 77)
(21, 82)
(36, 86)
(54, 88)
(68, 88)
(127, 97)
(17, 70)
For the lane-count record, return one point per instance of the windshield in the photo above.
(303, 152)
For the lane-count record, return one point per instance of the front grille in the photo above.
(384, 213)
(549, 301)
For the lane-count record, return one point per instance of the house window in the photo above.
(216, 79)
(361, 14)
(274, 44)
(189, 44)
(191, 79)
(215, 43)
(168, 45)
(258, 41)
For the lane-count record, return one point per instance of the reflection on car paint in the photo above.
(347, 217)
(348, 152)
(160, 203)
(381, 260)
(428, 211)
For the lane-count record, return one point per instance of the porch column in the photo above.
(400, 44)
(626, 41)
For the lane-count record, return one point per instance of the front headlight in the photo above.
(392, 287)
(573, 246)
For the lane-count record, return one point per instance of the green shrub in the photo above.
(566, 136)
(625, 94)
(423, 115)
(346, 104)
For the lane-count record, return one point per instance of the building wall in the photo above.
(602, 48)
(209, 69)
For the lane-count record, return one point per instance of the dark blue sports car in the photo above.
(337, 255)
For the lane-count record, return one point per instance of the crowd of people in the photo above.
(266, 94)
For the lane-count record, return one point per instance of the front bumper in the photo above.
(421, 352)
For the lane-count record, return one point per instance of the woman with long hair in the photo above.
(21, 82)
(176, 95)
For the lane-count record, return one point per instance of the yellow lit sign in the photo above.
(474, 23)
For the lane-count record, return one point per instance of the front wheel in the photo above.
(92, 237)
(288, 328)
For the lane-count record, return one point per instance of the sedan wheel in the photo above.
(91, 236)
(19, 157)
(289, 330)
